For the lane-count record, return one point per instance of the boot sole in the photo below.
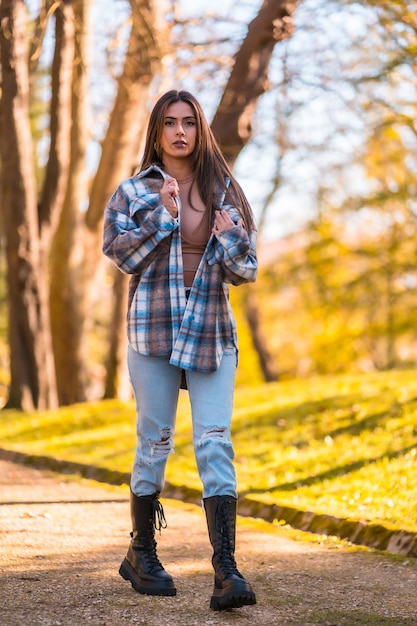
(142, 585)
(235, 597)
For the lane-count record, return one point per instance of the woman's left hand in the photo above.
(222, 221)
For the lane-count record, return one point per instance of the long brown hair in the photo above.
(208, 163)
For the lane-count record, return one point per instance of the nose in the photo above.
(180, 130)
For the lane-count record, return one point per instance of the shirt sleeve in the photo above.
(235, 251)
(132, 239)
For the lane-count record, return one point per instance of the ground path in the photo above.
(62, 540)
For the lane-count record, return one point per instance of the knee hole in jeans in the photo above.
(163, 446)
(213, 433)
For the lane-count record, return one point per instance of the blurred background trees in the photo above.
(314, 103)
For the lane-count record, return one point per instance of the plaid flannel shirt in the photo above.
(144, 240)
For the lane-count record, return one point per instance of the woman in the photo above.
(182, 228)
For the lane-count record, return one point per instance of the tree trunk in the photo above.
(31, 358)
(116, 385)
(77, 249)
(56, 173)
(146, 49)
(266, 360)
(232, 124)
(67, 301)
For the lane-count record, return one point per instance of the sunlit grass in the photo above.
(345, 446)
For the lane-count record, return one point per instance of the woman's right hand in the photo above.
(169, 192)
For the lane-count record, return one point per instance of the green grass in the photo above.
(345, 445)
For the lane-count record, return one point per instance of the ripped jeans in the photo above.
(156, 386)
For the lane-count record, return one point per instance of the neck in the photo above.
(178, 169)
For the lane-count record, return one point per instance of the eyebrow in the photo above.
(187, 117)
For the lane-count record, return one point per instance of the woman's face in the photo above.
(179, 133)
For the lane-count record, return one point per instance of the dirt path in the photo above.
(61, 543)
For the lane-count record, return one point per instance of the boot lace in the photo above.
(226, 563)
(144, 543)
(150, 557)
(225, 560)
(159, 520)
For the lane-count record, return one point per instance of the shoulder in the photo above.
(142, 191)
(145, 183)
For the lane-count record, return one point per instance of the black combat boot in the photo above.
(231, 590)
(141, 565)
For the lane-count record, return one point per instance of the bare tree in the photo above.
(53, 229)
(67, 300)
(53, 248)
(27, 226)
(143, 61)
(248, 80)
(232, 123)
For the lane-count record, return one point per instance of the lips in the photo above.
(180, 144)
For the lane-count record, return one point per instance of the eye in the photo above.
(169, 123)
(190, 123)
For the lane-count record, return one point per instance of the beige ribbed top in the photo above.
(194, 231)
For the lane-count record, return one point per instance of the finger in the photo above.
(171, 184)
(226, 219)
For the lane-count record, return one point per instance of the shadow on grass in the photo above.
(333, 473)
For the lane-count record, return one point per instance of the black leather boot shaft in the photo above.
(231, 590)
(141, 565)
(147, 515)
